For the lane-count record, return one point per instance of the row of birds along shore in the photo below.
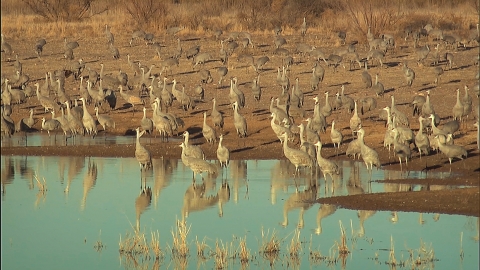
(283, 80)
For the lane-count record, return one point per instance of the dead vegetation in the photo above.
(136, 251)
(84, 17)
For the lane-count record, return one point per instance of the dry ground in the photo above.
(261, 142)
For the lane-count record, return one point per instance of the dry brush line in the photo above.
(62, 10)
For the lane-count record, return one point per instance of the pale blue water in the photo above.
(94, 199)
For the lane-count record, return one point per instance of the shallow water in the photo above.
(93, 201)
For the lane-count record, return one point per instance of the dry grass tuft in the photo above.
(201, 246)
(342, 246)
(244, 251)
(133, 244)
(99, 246)
(42, 187)
(155, 245)
(270, 246)
(180, 248)
(295, 246)
(221, 255)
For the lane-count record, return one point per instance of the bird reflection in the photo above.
(75, 166)
(300, 199)
(89, 181)
(421, 221)
(196, 199)
(238, 175)
(324, 211)
(25, 171)
(476, 237)
(280, 178)
(362, 216)
(142, 202)
(7, 173)
(394, 218)
(163, 169)
(223, 197)
(194, 196)
(354, 184)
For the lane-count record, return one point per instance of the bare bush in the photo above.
(378, 15)
(62, 10)
(145, 12)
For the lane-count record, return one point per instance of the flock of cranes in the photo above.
(147, 87)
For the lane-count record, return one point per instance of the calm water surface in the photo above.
(97, 200)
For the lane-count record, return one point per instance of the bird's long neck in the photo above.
(186, 140)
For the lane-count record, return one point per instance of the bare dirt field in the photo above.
(261, 142)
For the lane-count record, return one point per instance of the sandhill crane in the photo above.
(400, 116)
(401, 150)
(336, 136)
(222, 72)
(409, 74)
(451, 151)
(298, 92)
(105, 120)
(355, 121)
(366, 78)
(75, 125)
(318, 122)
(279, 129)
(311, 135)
(438, 71)
(297, 157)
(421, 140)
(50, 125)
(327, 167)
(133, 100)
(146, 123)
(197, 165)
(417, 104)
(427, 107)
(260, 62)
(163, 122)
(303, 28)
(369, 156)
(217, 117)
(466, 101)
(109, 36)
(6, 47)
(138, 34)
(46, 102)
(192, 150)
(70, 45)
(378, 87)
(239, 121)
(457, 109)
(326, 109)
(208, 132)
(347, 102)
(256, 89)
(142, 155)
(88, 122)
(223, 154)
(306, 146)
